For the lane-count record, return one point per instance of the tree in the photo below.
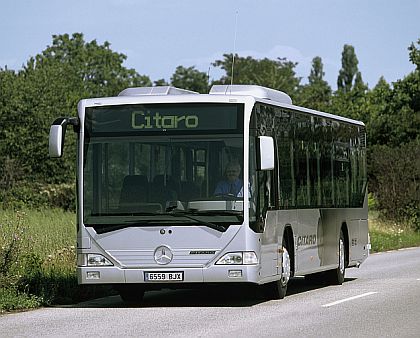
(276, 74)
(9, 168)
(317, 93)
(394, 153)
(359, 86)
(160, 82)
(395, 179)
(376, 113)
(49, 86)
(99, 68)
(191, 79)
(349, 70)
(414, 54)
(350, 98)
(394, 112)
(317, 71)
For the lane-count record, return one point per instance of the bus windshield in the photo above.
(163, 163)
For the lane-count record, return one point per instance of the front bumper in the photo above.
(213, 274)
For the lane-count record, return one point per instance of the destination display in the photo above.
(163, 117)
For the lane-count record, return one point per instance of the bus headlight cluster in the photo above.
(97, 260)
(240, 257)
(93, 260)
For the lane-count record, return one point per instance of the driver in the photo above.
(232, 184)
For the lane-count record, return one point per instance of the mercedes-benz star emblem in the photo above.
(163, 255)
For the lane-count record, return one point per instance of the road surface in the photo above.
(381, 299)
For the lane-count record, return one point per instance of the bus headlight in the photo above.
(97, 260)
(240, 257)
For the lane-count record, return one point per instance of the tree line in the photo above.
(51, 83)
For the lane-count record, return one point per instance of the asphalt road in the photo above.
(381, 299)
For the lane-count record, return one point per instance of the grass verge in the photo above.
(13, 300)
(38, 260)
(387, 235)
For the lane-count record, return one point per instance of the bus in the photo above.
(149, 215)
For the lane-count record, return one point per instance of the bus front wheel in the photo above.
(278, 288)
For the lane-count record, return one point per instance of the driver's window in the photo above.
(262, 191)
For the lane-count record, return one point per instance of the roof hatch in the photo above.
(252, 90)
(158, 90)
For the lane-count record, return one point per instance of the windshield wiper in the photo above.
(103, 228)
(217, 212)
(140, 213)
(236, 213)
(187, 214)
(106, 227)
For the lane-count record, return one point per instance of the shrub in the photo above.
(12, 299)
(395, 181)
(23, 195)
(372, 202)
(12, 243)
(38, 196)
(61, 196)
(38, 260)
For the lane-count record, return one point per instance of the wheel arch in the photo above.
(288, 238)
(345, 231)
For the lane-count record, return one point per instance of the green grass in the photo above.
(38, 260)
(46, 231)
(38, 256)
(387, 235)
(12, 300)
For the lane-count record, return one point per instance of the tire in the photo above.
(336, 276)
(131, 293)
(278, 288)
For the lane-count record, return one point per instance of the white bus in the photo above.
(151, 213)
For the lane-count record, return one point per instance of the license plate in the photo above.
(175, 276)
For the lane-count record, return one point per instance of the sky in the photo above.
(159, 35)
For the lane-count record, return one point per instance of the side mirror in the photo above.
(57, 134)
(56, 140)
(265, 153)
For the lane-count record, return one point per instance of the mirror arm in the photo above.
(58, 133)
(64, 121)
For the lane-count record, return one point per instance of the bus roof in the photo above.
(259, 93)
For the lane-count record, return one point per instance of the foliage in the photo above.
(395, 179)
(393, 114)
(38, 260)
(414, 54)
(191, 79)
(317, 93)
(12, 300)
(61, 196)
(12, 243)
(39, 195)
(50, 85)
(161, 82)
(349, 74)
(276, 74)
(390, 235)
(372, 202)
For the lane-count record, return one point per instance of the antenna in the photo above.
(234, 49)
(208, 78)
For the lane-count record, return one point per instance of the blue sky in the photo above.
(157, 35)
